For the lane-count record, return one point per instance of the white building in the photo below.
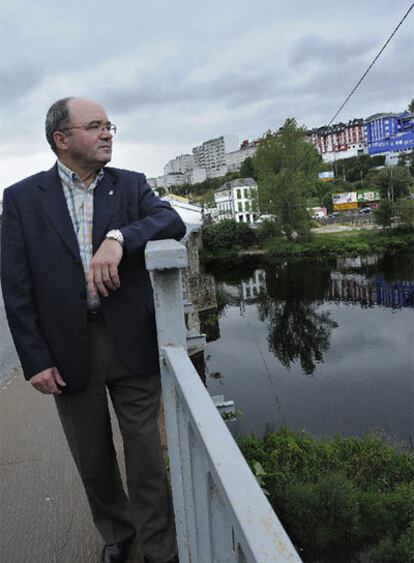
(168, 181)
(183, 163)
(356, 149)
(211, 155)
(237, 200)
(197, 175)
(234, 159)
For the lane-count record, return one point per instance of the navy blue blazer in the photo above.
(43, 281)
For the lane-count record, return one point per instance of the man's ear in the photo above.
(60, 140)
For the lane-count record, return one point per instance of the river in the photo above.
(320, 345)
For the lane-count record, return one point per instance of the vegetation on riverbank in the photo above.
(338, 497)
(346, 243)
(229, 239)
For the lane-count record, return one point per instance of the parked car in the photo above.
(266, 217)
(365, 211)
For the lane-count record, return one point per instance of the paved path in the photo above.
(44, 516)
(8, 356)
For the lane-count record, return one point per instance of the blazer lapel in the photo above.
(105, 197)
(53, 202)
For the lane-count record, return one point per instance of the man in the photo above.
(80, 309)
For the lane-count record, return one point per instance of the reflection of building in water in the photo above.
(251, 288)
(350, 262)
(374, 291)
(246, 291)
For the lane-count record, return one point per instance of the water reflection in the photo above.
(357, 280)
(280, 320)
(297, 330)
(289, 295)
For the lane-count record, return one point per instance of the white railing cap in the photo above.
(165, 255)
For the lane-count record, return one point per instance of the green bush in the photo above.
(227, 234)
(340, 495)
(267, 230)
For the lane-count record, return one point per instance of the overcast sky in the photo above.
(174, 73)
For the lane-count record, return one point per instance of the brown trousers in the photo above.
(147, 510)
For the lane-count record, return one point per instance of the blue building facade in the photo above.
(389, 132)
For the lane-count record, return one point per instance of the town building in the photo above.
(168, 181)
(237, 199)
(340, 140)
(183, 163)
(234, 159)
(211, 155)
(390, 134)
(197, 175)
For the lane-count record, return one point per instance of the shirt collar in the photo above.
(70, 178)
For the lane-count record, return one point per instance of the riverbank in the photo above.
(338, 495)
(350, 242)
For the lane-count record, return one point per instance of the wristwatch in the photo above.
(115, 234)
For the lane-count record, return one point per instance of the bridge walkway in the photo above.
(44, 515)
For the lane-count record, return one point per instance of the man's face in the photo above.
(89, 145)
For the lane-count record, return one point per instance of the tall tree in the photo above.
(407, 159)
(411, 106)
(286, 167)
(393, 182)
(383, 215)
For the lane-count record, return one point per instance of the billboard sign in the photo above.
(344, 201)
(368, 195)
(326, 176)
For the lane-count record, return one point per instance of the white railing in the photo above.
(221, 513)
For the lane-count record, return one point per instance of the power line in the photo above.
(372, 64)
(358, 84)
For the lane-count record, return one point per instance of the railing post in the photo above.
(164, 261)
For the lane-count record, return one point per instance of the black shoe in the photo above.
(116, 552)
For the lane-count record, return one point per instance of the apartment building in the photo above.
(183, 163)
(340, 140)
(390, 134)
(234, 159)
(237, 199)
(211, 155)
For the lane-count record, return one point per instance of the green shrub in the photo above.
(267, 230)
(389, 551)
(339, 495)
(227, 234)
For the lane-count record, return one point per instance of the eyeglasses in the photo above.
(95, 127)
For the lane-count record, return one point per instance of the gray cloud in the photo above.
(173, 74)
(233, 88)
(17, 80)
(315, 49)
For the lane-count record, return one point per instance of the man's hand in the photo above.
(47, 381)
(103, 271)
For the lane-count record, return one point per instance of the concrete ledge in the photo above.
(165, 255)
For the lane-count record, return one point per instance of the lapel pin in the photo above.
(111, 192)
